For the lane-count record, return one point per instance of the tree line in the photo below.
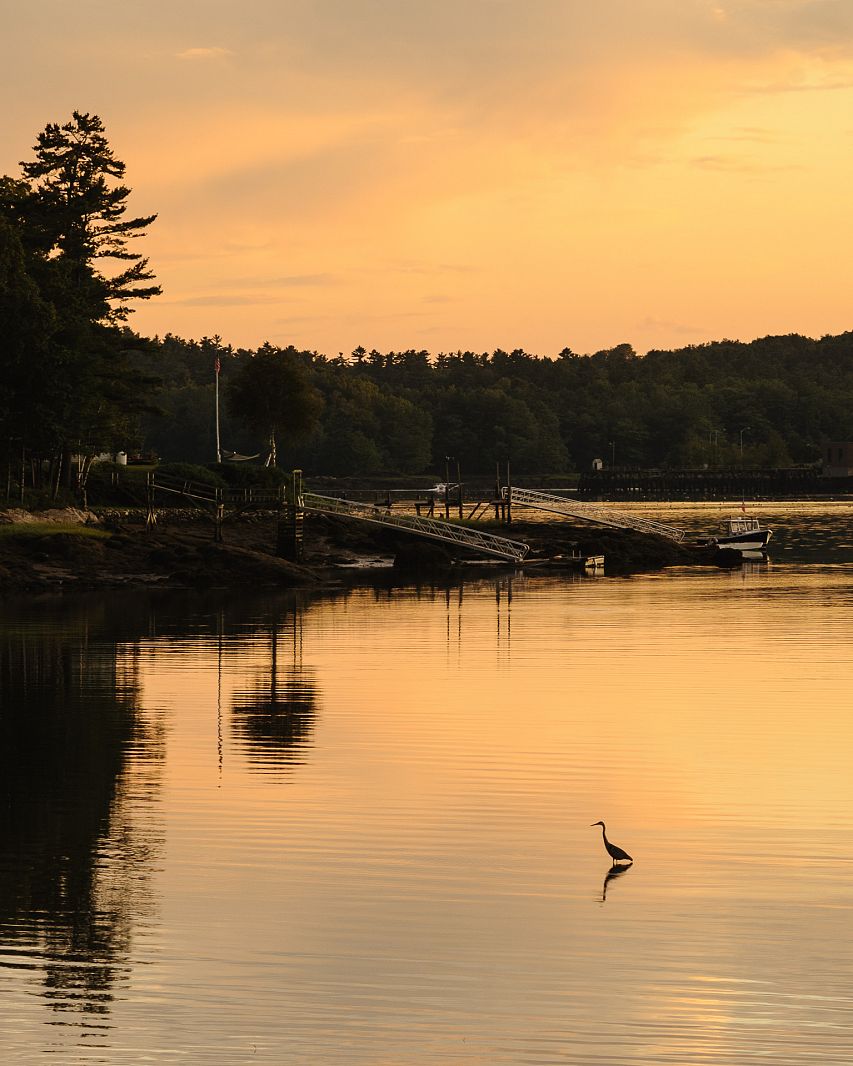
(76, 381)
(768, 403)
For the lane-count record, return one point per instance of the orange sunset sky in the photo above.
(449, 174)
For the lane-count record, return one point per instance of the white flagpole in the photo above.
(216, 375)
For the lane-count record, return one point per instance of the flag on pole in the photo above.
(216, 365)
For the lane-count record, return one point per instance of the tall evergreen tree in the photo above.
(77, 209)
(72, 392)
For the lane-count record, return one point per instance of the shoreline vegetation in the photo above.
(71, 550)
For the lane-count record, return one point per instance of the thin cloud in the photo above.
(738, 165)
(204, 53)
(286, 281)
(224, 300)
(750, 135)
(668, 326)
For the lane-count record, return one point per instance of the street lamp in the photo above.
(745, 428)
(712, 446)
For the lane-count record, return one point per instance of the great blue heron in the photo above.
(616, 854)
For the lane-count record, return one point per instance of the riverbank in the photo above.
(64, 550)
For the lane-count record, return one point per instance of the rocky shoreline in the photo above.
(113, 549)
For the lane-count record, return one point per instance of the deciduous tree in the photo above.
(272, 394)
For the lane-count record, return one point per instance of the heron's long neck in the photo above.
(604, 835)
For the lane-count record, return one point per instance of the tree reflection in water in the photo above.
(73, 869)
(273, 718)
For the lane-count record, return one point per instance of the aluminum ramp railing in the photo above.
(603, 516)
(447, 532)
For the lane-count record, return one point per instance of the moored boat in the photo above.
(743, 533)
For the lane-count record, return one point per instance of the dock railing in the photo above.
(446, 532)
(589, 512)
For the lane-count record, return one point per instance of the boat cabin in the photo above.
(741, 524)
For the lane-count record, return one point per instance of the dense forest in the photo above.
(404, 412)
(76, 382)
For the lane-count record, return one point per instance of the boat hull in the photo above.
(752, 540)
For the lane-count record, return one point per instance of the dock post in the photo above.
(218, 516)
(151, 516)
(290, 533)
(508, 496)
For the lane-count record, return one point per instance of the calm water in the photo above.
(356, 829)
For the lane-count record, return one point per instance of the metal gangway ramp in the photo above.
(447, 532)
(588, 512)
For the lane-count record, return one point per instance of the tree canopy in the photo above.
(272, 392)
(403, 412)
(74, 208)
(65, 380)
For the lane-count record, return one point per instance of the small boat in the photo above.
(743, 534)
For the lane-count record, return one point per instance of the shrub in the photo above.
(190, 472)
(249, 476)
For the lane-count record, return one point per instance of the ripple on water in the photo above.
(357, 830)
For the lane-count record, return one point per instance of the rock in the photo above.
(416, 556)
(71, 516)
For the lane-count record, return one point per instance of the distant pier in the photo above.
(791, 483)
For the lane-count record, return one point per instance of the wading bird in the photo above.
(616, 854)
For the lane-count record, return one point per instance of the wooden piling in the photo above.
(290, 538)
(151, 515)
(218, 517)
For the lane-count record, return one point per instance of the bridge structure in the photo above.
(589, 512)
(291, 498)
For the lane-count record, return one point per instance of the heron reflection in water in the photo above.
(615, 871)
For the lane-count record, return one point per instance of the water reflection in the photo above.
(273, 717)
(73, 868)
(616, 870)
(420, 891)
